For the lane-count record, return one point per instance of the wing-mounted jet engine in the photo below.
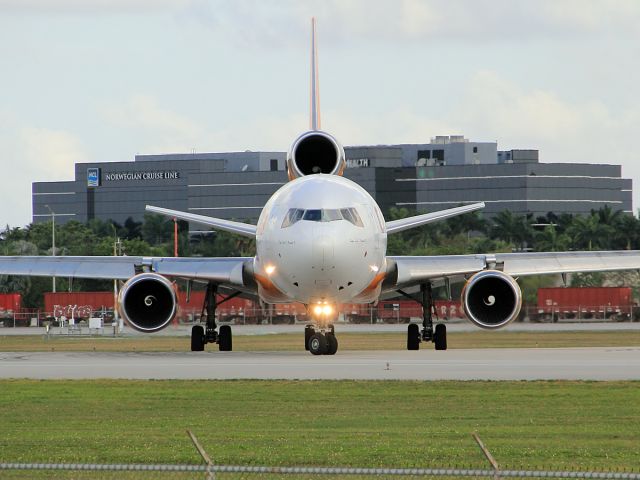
(491, 299)
(148, 302)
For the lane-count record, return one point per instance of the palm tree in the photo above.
(627, 232)
(469, 222)
(23, 247)
(505, 226)
(588, 233)
(549, 240)
(514, 229)
(156, 229)
(608, 216)
(422, 237)
(12, 284)
(562, 221)
(133, 228)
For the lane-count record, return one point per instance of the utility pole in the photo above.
(53, 240)
(116, 246)
(175, 237)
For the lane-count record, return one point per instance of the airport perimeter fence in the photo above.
(366, 314)
(241, 472)
(209, 470)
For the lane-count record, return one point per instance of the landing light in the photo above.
(322, 309)
(270, 269)
(374, 268)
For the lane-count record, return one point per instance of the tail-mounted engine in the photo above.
(148, 302)
(491, 299)
(315, 152)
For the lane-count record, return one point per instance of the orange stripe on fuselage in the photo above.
(374, 283)
(267, 284)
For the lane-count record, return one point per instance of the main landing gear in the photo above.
(200, 335)
(428, 334)
(320, 342)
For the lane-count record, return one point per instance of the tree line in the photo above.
(603, 229)
(466, 234)
(152, 237)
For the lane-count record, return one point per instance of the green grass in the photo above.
(348, 341)
(557, 425)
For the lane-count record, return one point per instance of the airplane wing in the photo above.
(240, 228)
(407, 271)
(394, 226)
(231, 271)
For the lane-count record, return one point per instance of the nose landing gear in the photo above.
(320, 342)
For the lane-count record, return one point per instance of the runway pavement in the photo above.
(482, 364)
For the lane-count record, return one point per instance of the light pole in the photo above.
(116, 245)
(53, 239)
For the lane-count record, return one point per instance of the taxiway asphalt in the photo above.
(603, 363)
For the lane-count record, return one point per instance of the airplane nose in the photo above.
(322, 251)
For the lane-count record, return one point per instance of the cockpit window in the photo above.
(331, 215)
(313, 215)
(351, 215)
(294, 215)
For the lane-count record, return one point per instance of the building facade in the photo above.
(447, 172)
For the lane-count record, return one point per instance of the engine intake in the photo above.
(315, 152)
(148, 302)
(491, 299)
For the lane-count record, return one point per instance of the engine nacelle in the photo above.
(491, 299)
(315, 152)
(148, 302)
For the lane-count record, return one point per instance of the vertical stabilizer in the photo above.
(315, 89)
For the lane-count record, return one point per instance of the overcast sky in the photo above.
(102, 80)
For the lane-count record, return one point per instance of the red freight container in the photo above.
(77, 304)
(446, 309)
(398, 311)
(358, 312)
(81, 304)
(196, 301)
(402, 311)
(288, 312)
(239, 310)
(10, 302)
(586, 302)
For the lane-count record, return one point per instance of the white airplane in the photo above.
(321, 240)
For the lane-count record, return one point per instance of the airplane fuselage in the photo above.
(320, 239)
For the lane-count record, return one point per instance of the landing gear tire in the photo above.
(318, 344)
(440, 337)
(308, 332)
(413, 337)
(332, 344)
(225, 340)
(197, 338)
